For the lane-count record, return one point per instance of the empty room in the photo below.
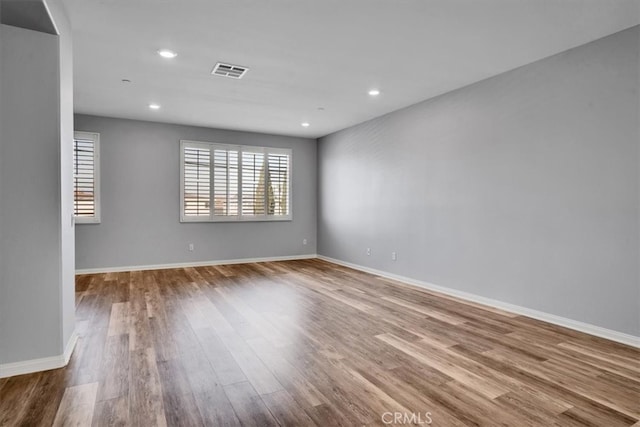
(320, 213)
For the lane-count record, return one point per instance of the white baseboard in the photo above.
(540, 315)
(193, 264)
(43, 364)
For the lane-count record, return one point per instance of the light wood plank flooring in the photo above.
(311, 343)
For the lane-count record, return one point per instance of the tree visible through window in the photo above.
(221, 182)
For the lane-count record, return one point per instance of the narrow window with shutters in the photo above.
(222, 182)
(225, 182)
(86, 167)
(278, 186)
(253, 184)
(197, 182)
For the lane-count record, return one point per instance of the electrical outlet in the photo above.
(394, 256)
(304, 241)
(191, 247)
(368, 251)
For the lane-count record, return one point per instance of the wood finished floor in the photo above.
(311, 343)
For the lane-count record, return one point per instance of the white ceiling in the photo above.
(306, 54)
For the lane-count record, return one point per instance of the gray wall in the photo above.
(37, 283)
(523, 188)
(66, 227)
(30, 246)
(3, 288)
(140, 183)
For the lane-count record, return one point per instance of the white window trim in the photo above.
(95, 137)
(236, 218)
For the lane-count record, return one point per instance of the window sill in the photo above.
(235, 220)
(86, 221)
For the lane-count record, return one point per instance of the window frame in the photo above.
(95, 137)
(211, 146)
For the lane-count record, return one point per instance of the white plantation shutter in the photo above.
(225, 183)
(86, 189)
(197, 181)
(278, 186)
(253, 183)
(221, 182)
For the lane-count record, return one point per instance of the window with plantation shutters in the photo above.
(86, 167)
(221, 182)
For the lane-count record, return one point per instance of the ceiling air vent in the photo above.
(228, 70)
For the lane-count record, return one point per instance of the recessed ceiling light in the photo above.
(374, 92)
(154, 106)
(304, 124)
(166, 53)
